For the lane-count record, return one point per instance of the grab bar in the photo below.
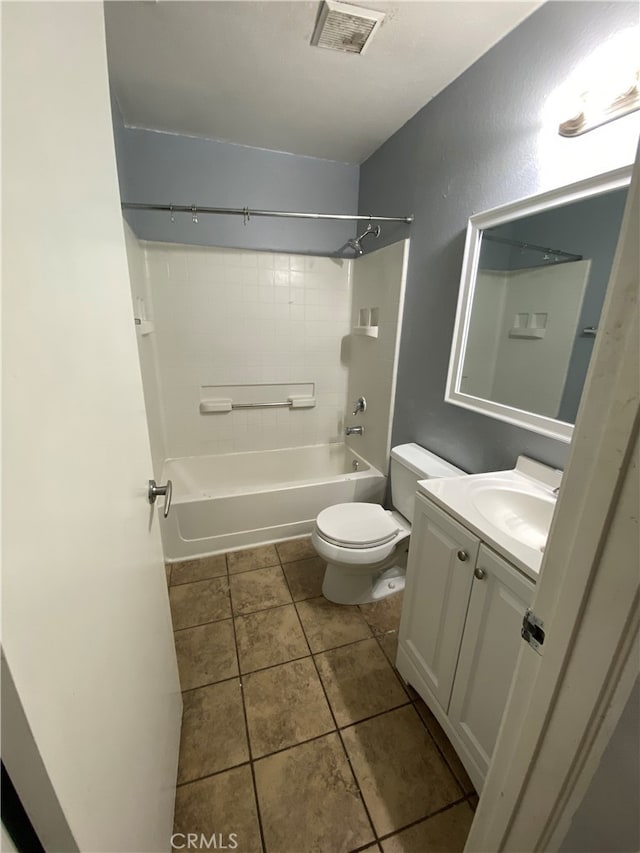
(226, 404)
(287, 404)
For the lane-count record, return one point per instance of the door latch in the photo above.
(532, 630)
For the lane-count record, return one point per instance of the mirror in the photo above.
(533, 283)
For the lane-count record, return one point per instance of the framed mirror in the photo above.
(534, 278)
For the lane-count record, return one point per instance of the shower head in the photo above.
(356, 244)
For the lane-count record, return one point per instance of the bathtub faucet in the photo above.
(356, 430)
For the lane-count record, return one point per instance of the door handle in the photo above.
(166, 490)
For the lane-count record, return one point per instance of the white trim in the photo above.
(550, 427)
(564, 704)
(396, 349)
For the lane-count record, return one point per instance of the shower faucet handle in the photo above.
(360, 405)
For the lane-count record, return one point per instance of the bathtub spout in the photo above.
(354, 430)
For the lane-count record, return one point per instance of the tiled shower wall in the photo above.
(229, 317)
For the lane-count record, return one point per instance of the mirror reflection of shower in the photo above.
(356, 244)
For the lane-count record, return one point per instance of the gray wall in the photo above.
(166, 168)
(488, 139)
(607, 820)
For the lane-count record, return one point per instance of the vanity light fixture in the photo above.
(594, 113)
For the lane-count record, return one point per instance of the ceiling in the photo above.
(244, 71)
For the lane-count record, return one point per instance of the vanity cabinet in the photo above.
(460, 631)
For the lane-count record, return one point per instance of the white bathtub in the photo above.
(238, 500)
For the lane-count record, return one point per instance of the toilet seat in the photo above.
(359, 556)
(356, 525)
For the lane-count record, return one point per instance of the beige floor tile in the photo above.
(305, 577)
(383, 615)
(258, 590)
(443, 833)
(223, 805)
(389, 644)
(359, 681)
(285, 705)
(402, 775)
(446, 747)
(206, 653)
(328, 625)
(196, 603)
(295, 549)
(309, 800)
(213, 730)
(252, 558)
(187, 571)
(167, 572)
(269, 637)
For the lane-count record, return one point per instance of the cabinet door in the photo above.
(439, 577)
(489, 652)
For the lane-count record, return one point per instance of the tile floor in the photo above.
(298, 735)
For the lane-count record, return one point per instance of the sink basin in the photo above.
(524, 516)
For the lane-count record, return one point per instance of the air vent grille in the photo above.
(345, 28)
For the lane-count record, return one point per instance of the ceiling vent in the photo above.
(344, 27)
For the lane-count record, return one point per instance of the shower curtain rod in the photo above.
(247, 212)
(532, 246)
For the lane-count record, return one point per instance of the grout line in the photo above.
(210, 775)
(373, 716)
(254, 569)
(186, 583)
(344, 749)
(259, 758)
(388, 835)
(273, 665)
(202, 624)
(246, 727)
(392, 665)
(440, 751)
(212, 683)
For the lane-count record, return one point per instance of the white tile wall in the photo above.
(225, 317)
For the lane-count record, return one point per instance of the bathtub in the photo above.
(238, 500)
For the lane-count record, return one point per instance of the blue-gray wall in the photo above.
(488, 139)
(163, 168)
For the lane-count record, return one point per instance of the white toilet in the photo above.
(366, 546)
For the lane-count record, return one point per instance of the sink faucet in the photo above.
(355, 430)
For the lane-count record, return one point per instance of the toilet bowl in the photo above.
(366, 546)
(366, 550)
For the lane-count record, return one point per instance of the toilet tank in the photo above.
(410, 463)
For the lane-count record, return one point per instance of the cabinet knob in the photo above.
(479, 573)
(462, 556)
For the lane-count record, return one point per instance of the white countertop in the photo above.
(457, 496)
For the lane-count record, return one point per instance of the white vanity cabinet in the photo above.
(442, 555)
(460, 631)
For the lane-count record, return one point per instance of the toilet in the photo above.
(366, 546)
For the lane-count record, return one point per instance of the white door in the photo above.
(86, 626)
(491, 641)
(442, 556)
